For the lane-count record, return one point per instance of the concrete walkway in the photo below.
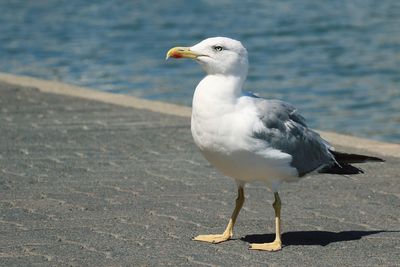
(85, 183)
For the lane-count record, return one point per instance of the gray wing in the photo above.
(286, 130)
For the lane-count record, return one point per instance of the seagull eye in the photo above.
(218, 48)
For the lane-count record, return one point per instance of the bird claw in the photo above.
(214, 239)
(273, 246)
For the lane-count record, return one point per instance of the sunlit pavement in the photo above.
(84, 183)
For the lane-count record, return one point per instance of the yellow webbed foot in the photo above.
(212, 238)
(228, 233)
(273, 246)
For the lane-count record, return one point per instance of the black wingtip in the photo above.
(345, 158)
(341, 169)
(377, 159)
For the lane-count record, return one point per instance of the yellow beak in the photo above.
(181, 52)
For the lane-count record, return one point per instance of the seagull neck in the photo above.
(220, 86)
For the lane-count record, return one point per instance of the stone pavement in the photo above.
(83, 183)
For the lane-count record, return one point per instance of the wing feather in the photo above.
(286, 130)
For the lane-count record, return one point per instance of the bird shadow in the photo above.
(312, 238)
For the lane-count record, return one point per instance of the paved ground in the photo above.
(89, 184)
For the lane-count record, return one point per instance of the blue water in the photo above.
(338, 61)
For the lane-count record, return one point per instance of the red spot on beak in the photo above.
(176, 54)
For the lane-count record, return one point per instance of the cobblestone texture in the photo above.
(89, 184)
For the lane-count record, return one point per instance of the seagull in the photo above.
(249, 138)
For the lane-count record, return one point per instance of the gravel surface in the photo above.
(84, 183)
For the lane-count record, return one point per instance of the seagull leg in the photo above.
(227, 234)
(277, 243)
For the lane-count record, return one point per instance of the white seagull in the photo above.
(250, 138)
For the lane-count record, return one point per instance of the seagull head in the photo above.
(217, 55)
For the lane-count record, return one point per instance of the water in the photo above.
(338, 61)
